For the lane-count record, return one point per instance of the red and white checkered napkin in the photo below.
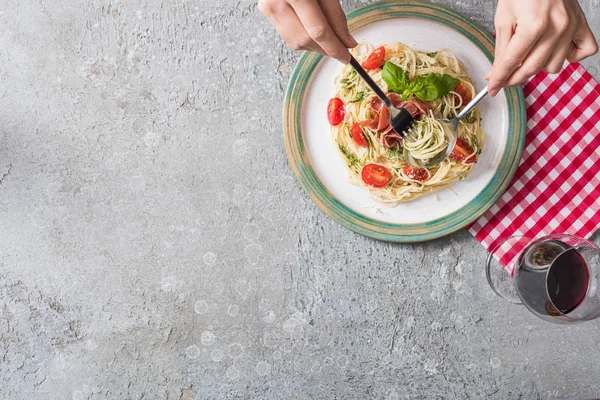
(556, 188)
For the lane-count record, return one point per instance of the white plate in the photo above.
(330, 167)
(321, 171)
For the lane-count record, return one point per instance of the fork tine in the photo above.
(411, 134)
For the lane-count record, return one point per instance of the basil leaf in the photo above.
(395, 77)
(433, 86)
(445, 83)
(424, 89)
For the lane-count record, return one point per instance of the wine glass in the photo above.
(556, 276)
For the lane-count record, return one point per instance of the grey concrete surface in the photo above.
(156, 245)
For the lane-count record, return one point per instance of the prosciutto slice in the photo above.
(370, 123)
(415, 107)
(391, 139)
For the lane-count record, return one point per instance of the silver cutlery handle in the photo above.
(473, 102)
(370, 82)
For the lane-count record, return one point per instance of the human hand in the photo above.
(537, 35)
(317, 25)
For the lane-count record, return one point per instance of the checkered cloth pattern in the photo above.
(556, 188)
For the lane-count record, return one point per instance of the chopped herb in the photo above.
(432, 54)
(395, 153)
(470, 117)
(347, 83)
(352, 159)
(475, 141)
(359, 96)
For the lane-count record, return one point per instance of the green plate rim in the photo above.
(406, 233)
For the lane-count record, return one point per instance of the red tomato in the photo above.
(375, 175)
(418, 174)
(336, 111)
(359, 136)
(463, 91)
(375, 60)
(462, 151)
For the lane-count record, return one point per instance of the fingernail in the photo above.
(493, 92)
(487, 77)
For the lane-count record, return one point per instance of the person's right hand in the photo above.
(317, 25)
(535, 35)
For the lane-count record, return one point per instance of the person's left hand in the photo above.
(537, 35)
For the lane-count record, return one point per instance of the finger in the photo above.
(317, 27)
(564, 24)
(535, 61)
(585, 43)
(503, 34)
(557, 59)
(286, 22)
(525, 37)
(337, 20)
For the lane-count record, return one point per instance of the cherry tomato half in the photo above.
(418, 174)
(375, 60)
(375, 175)
(462, 151)
(359, 136)
(336, 111)
(464, 92)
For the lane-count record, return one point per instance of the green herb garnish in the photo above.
(432, 54)
(352, 159)
(395, 77)
(433, 86)
(347, 83)
(359, 96)
(475, 143)
(470, 117)
(395, 153)
(426, 87)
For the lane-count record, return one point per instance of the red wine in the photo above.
(552, 279)
(568, 280)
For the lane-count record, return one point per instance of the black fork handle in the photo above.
(400, 116)
(370, 82)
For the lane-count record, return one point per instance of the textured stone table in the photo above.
(155, 245)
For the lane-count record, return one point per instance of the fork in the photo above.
(451, 133)
(400, 119)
